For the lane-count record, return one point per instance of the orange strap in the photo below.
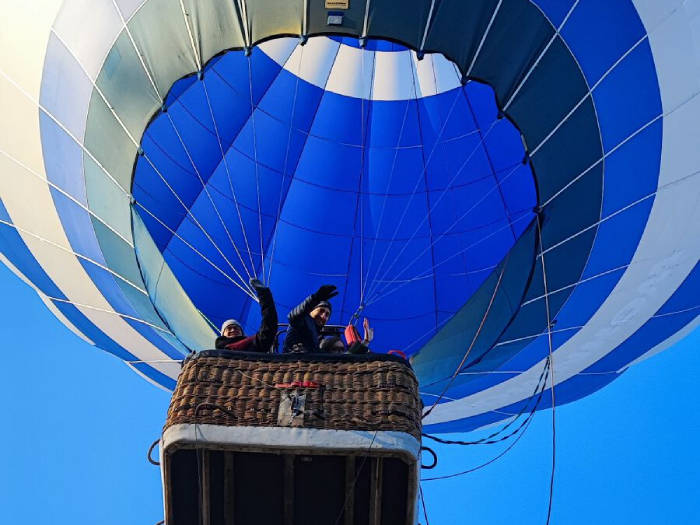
(351, 335)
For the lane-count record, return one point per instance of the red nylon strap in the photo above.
(399, 353)
(298, 384)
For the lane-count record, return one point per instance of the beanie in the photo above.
(230, 322)
(324, 304)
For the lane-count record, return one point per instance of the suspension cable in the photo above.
(540, 387)
(253, 109)
(552, 378)
(471, 345)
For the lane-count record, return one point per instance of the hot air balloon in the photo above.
(507, 188)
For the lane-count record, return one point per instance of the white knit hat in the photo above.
(230, 322)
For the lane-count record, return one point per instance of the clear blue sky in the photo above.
(77, 422)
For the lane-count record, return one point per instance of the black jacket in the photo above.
(264, 338)
(303, 334)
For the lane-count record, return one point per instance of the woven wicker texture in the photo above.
(369, 395)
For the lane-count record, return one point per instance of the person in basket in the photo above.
(232, 335)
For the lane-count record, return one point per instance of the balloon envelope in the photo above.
(484, 181)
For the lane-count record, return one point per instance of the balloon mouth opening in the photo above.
(329, 161)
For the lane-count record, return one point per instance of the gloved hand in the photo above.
(325, 292)
(258, 286)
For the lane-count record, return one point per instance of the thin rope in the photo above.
(539, 389)
(572, 285)
(69, 197)
(677, 312)
(357, 476)
(191, 215)
(429, 215)
(517, 372)
(427, 25)
(72, 252)
(379, 297)
(622, 143)
(245, 290)
(422, 500)
(195, 51)
(153, 361)
(96, 88)
(286, 159)
(386, 197)
(194, 219)
(588, 95)
(364, 126)
(522, 429)
(359, 210)
(65, 130)
(430, 333)
(362, 157)
(313, 120)
(492, 460)
(243, 8)
(539, 57)
(595, 224)
(419, 178)
(255, 162)
(483, 37)
(574, 235)
(457, 221)
(304, 19)
(497, 437)
(130, 244)
(133, 140)
(646, 36)
(99, 164)
(428, 394)
(552, 378)
(471, 345)
(365, 23)
(444, 192)
(138, 53)
(456, 254)
(208, 194)
(209, 322)
(113, 312)
(535, 336)
(230, 180)
(489, 160)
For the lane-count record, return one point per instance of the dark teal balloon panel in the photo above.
(406, 205)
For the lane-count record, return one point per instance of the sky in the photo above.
(77, 423)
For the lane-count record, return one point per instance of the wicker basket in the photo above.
(339, 392)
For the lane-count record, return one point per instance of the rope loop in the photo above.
(435, 458)
(150, 451)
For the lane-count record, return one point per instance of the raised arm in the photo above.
(265, 336)
(324, 293)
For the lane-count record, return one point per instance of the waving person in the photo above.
(232, 336)
(308, 319)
